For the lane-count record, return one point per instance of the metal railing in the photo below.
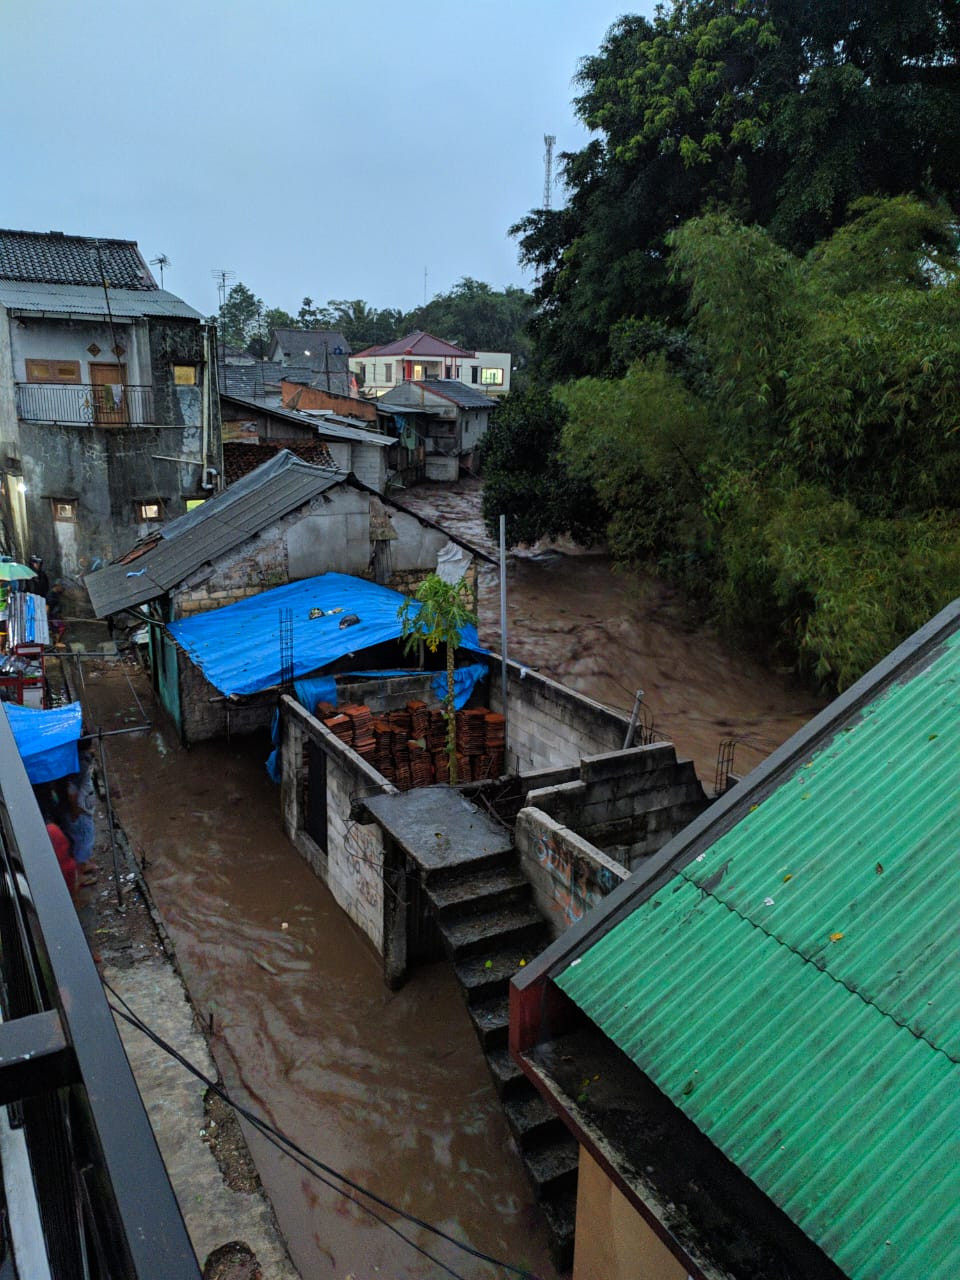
(85, 404)
(78, 1156)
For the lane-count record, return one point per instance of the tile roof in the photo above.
(792, 988)
(240, 457)
(223, 522)
(417, 343)
(50, 257)
(89, 300)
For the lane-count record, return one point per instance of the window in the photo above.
(53, 370)
(64, 508)
(474, 373)
(152, 510)
(388, 372)
(491, 377)
(185, 375)
(193, 503)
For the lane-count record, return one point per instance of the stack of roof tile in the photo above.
(342, 726)
(421, 766)
(364, 742)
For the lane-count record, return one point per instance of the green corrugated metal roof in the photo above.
(794, 989)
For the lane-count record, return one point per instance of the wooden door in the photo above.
(109, 395)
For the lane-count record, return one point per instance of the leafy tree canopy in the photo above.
(782, 112)
(476, 316)
(527, 480)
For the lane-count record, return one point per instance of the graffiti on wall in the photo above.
(577, 884)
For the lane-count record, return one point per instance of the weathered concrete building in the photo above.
(446, 417)
(353, 446)
(280, 524)
(109, 417)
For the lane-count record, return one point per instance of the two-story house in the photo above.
(109, 413)
(419, 357)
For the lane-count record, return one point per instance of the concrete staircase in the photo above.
(488, 925)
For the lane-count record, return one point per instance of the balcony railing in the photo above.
(87, 1196)
(84, 404)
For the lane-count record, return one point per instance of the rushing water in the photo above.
(390, 1087)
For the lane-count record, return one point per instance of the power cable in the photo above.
(305, 1160)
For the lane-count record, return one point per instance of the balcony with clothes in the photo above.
(102, 404)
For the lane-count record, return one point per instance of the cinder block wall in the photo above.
(351, 865)
(206, 713)
(568, 874)
(548, 725)
(627, 803)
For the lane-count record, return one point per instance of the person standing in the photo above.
(78, 822)
(39, 585)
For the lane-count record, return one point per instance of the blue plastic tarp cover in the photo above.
(238, 647)
(464, 679)
(46, 740)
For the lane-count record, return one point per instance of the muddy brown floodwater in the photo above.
(571, 616)
(390, 1087)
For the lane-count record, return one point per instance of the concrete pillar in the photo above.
(394, 915)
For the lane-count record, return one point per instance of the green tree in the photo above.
(474, 315)
(780, 111)
(240, 315)
(437, 615)
(527, 480)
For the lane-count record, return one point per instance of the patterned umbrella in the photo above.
(11, 571)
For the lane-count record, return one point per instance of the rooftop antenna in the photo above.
(222, 277)
(161, 261)
(549, 141)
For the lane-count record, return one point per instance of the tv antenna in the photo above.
(223, 278)
(549, 141)
(161, 261)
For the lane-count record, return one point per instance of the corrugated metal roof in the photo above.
(88, 300)
(55, 258)
(220, 524)
(794, 989)
(316, 419)
(459, 392)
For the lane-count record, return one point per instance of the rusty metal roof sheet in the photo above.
(794, 989)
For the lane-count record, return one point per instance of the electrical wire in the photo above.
(311, 1164)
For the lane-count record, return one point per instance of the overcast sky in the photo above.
(334, 150)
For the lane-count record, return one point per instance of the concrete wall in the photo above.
(352, 863)
(568, 875)
(55, 339)
(627, 803)
(369, 463)
(613, 1241)
(439, 467)
(204, 712)
(550, 726)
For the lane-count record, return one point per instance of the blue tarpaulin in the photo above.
(46, 740)
(238, 647)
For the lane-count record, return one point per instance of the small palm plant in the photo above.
(437, 615)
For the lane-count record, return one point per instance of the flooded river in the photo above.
(390, 1087)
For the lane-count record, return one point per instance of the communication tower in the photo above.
(549, 140)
